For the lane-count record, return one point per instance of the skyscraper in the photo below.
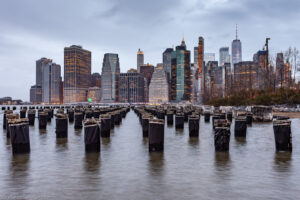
(131, 87)
(200, 69)
(224, 56)
(209, 57)
(167, 61)
(77, 73)
(158, 89)
(36, 90)
(140, 59)
(51, 83)
(39, 70)
(110, 78)
(236, 50)
(167, 64)
(181, 84)
(147, 71)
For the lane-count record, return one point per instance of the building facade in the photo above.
(39, 70)
(158, 89)
(236, 50)
(51, 84)
(167, 61)
(77, 73)
(140, 59)
(207, 79)
(217, 81)
(181, 83)
(283, 72)
(110, 78)
(95, 80)
(246, 76)
(147, 71)
(224, 56)
(200, 70)
(209, 57)
(131, 87)
(228, 77)
(94, 95)
(36, 94)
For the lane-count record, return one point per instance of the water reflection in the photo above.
(156, 163)
(19, 162)
(19, 171)
(241, 140)
(105, 143)
(222, 162)
(78, 131)
(145, 141)
(112, 131)
(179, 131)
(282, 161)
(92, 162)
(194, 141)
(42, 131)
(8, 141)
(62, 144)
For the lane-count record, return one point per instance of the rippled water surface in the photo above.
(124, 169)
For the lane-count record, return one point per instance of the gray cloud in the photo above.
(31, 29)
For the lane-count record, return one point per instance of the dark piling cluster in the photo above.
(152, 120)
(152, 128)
(95, 126)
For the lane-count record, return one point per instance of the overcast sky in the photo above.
(31, 29)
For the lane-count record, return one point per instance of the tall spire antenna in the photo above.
(236, 31)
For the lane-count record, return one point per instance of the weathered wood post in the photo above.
(156, 135)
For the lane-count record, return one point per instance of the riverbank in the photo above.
(288, 114)
(259, 97)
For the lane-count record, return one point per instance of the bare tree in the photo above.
(288, 54)
(295, 54)
(289, 57)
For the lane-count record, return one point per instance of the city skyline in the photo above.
(23, 30)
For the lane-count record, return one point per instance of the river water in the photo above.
(124, 169)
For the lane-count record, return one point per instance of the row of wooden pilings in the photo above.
(153, 119)
(97, 123)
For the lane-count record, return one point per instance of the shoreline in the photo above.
(288, 114)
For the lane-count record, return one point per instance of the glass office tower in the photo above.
(110, 78)
(77, 73)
